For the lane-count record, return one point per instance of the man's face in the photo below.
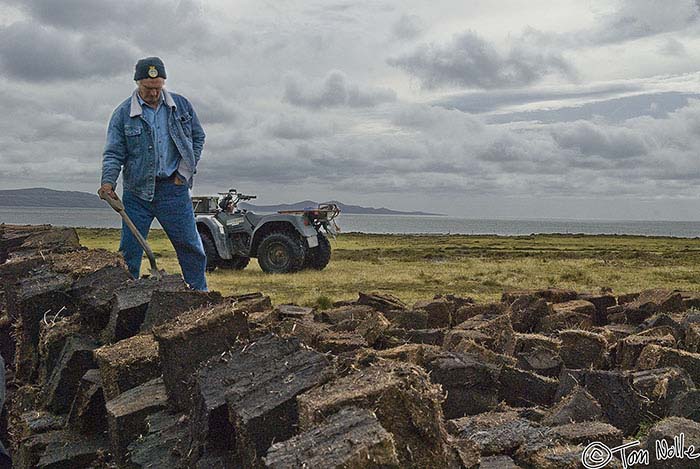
(149, 89)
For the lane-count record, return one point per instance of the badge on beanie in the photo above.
(152, 72)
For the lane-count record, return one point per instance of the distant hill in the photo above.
(344, 208)
(40, 197)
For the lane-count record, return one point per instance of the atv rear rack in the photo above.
(329, 210)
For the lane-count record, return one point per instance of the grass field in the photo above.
(417, 267)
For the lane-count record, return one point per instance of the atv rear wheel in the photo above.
(318, 257)
(237, 263)
(213, 258)
(281, 252)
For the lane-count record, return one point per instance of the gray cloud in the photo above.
(616, 110)
(333, 91)
(481, 101)
(672, 47)
(634, 19)
(297, 127)
(33, 52)
(351, 136)
(469, 61)
(408, 27)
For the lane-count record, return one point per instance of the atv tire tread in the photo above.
(290, 242)
(237, 263)
(213, 259)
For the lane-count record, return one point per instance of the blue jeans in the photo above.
(172, 207)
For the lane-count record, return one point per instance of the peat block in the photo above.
(394, 337)
(408, 318)
(77, 357)
(526, 342)
(261, 400)
(617, 332)
(292, 312)
(381, 301)
(339, 342)
(686, 405)
(613, 390)
(468, 311)
(417, 354)
(58, 449)
(52, 339)
(588, 432)
(127, 364)
(93, 294)
(560, 457)
(126, 415)
(499, 432)
(577, 406)
(601, 303)
(79, 451)
(497, 331)
(691, 340)
(161, 444)
(84, 261)
(191, 338)
(583, 349)
(343, 313)
(655, 356)
(24, 399)
(373, 327)
(439, 312)
(540, 360)
(561, 320)
(250, 390)
(526, 312)
(660, 386)
(467, 346)
(87, 413)
(306, 331)
(575, 306)
(349, 439)
(38, 421)
(665, 439)
(42, 243)
(130, 303)
(628, 349)
(650, 302)
(671, 322)
(405, 402)
(522, 388)
(471, 385)
(498, 462)
(41, 292)
(552, 295)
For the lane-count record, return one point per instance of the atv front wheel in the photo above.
(281, 253)
(213, 259)
(318, 257)
(237, 263)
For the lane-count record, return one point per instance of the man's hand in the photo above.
(106, 190)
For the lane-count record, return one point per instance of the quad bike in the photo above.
(286, 241)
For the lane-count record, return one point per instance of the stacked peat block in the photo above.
(115, 372)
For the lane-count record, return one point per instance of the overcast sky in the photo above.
(476, 108)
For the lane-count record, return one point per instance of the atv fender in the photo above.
(306, 231)
(218, 234)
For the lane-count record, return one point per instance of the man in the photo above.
(156, 137)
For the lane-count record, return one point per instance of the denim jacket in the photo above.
(130, 144)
